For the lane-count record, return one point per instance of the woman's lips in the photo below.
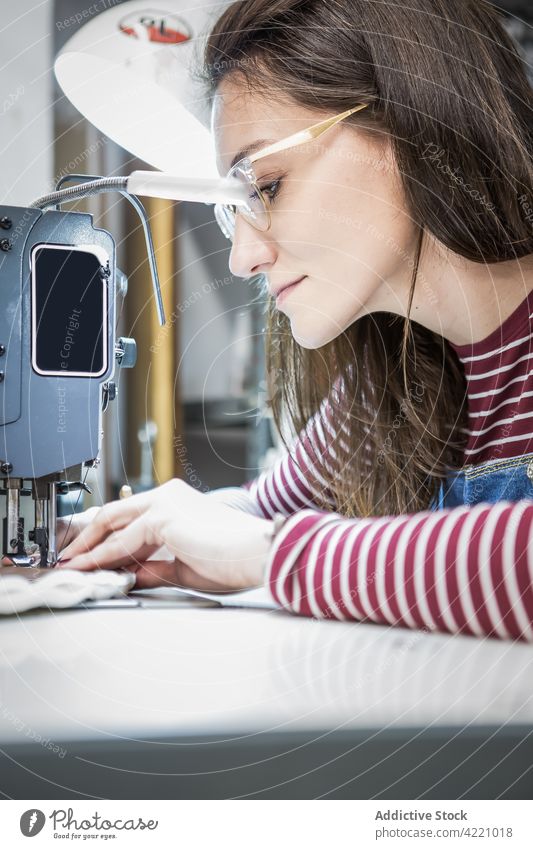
(280, 297)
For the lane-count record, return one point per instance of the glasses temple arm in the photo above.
(304, 135)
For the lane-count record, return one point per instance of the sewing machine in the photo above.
(58, 289)
(58, 285)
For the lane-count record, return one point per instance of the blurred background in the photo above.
(194, 405)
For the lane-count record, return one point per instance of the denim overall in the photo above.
(494, 480)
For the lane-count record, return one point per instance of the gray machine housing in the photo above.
(48, 424)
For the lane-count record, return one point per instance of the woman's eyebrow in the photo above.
(250, 148)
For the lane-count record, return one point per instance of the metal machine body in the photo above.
(57, 358)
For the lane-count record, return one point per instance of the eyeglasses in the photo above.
(257, 209)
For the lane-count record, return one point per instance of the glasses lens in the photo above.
(255, 210)
(225, 218)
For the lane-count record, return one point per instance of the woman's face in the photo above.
(339, 222)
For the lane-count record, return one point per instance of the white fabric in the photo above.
(59, 588)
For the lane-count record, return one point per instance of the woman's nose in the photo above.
(252, 252)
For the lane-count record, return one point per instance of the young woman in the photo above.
(387, 150)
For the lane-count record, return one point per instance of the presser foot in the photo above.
(32, 557)
(20, 559)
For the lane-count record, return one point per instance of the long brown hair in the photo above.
(445, 82)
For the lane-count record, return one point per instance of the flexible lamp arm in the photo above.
(151, 184)
(155, 184)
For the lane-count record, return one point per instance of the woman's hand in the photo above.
(172, 535)
(69, 527)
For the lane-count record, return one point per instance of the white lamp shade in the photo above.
(132, 71)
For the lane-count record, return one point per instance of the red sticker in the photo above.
(157, 27)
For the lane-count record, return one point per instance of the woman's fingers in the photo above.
(132, 544)
(116, 515)
(172, 573)
(66, 530)
(90, 561)
(108, 519)
(69, 527)
(156, 573)
(186, 576)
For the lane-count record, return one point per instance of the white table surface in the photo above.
(96, 674)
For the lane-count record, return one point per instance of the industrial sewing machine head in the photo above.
(58, 286)
(58, 352)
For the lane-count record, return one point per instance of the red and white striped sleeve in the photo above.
(468, 569)
(295, 481)
(463, 570)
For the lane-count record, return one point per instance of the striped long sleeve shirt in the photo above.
(465, 569)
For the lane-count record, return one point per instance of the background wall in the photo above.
(26, 115)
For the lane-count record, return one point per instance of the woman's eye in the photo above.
(270, 190)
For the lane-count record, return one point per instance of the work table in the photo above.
(201, 701)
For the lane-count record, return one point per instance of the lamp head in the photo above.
(132, 71)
